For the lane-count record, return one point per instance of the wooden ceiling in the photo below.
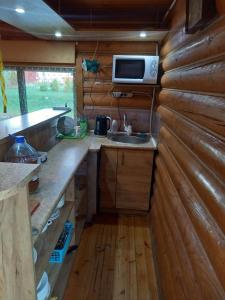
(103, 15)
(112, 14)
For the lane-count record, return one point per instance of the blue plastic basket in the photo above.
(57, 255)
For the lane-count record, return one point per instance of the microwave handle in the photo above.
(109, 121)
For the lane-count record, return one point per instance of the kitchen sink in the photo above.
(138, 138)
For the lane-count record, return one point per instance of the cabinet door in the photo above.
(107, 178)
(133, 179)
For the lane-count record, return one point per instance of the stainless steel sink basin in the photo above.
(129, 139)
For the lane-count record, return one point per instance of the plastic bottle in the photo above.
(83, 123)
(22, 152)
(114, 126)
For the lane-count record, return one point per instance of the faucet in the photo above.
(127, 128)
(125, 122)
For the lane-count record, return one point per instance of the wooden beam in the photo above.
(22, 91)
(79, 86)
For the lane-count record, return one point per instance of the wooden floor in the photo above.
(114, 261)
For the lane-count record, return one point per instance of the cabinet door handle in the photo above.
(122, 159)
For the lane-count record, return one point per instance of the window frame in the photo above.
(22, 89)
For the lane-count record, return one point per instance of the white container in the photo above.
(43, 288)
(46, 226)
(34, 255)
(61, 202)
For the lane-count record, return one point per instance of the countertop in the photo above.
(17, 124)
(13, 176)
(97, 142)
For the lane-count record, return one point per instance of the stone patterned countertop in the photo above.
(13, 176)
(63, 161)
(17, 124)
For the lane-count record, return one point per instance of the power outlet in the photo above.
(122, 95)
(116, 94)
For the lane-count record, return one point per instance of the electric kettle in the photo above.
(102, 125)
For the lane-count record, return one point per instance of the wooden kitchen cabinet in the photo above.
(107, 178)
(134, 169)
(125, 178)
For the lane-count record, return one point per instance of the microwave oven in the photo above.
(136, 69)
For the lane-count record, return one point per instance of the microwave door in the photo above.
(129, 70)
(136, 69)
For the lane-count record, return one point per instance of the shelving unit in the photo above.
(55, 175)
(47, 241)
(17, 269)
(59, 273)
(63, 276)
(60, 175)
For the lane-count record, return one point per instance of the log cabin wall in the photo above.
(94, 90)
(188, 204)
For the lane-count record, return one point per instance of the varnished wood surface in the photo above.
(208, 44)
(113, 14)
(94, 90)
(107, 178)
(187, 216)
(134, 170)
(140, 117)
(177, 38)
(205, 110)
(125, 179)
(114, 261)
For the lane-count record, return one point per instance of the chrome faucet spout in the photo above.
(125, 122)
(127, 128)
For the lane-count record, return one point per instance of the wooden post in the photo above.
(17, 279)
(79, 86)
(22, 90)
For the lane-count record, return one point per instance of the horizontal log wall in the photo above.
(188, 203)
(94, 90)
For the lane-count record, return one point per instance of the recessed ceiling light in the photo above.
(20, 10)
(58, 34)
(143, 34)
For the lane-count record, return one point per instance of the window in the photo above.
(12, 93)
(32, 88)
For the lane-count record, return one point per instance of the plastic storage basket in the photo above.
(63, 243)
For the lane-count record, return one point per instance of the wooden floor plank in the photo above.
(114, 261)
(97, 265)
(121, 275)
(151, 274)
(132, 261)
(106, 288)
(144, 242)
(142, 272)
(82, 269)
